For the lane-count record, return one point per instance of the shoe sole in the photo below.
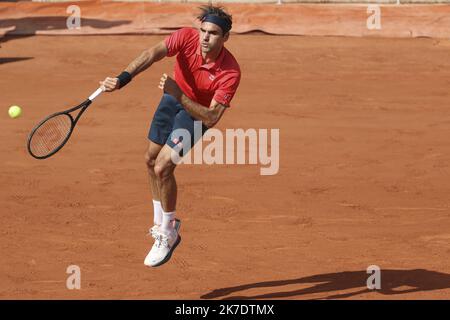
(177, 224)
(169, 255)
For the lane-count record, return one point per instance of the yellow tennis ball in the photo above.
(14, 111)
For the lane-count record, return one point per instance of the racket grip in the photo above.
(95, 94)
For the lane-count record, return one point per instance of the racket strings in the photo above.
(50, 135)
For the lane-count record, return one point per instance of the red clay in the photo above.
(364, 174)
(112, 17)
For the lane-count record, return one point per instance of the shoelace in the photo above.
(162, 240)
(154, 233)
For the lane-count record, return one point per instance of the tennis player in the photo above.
(206, 79)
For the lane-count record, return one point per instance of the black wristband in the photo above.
(124, 78)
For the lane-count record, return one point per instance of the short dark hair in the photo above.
(215, 11)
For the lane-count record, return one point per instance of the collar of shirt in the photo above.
(212, 65)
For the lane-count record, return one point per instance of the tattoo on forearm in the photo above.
(140, 63)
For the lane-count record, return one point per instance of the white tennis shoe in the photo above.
(163, 247)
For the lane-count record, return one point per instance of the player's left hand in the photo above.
(169, 86)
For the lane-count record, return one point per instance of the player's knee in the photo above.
(160, 170)
(163, 168)
(150, 161)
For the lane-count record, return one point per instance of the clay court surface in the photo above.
(364, 174)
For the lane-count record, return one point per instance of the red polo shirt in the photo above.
(201, 82)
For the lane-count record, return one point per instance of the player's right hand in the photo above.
(109, 84)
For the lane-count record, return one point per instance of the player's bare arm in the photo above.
(209, 116)
(147, 58)
(141, 63)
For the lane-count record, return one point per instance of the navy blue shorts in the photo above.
(169, 117)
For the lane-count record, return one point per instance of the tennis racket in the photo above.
(52, 133)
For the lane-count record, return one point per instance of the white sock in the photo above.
(157, 212)
(167, 218)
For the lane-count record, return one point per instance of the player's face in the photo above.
(211, 37)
